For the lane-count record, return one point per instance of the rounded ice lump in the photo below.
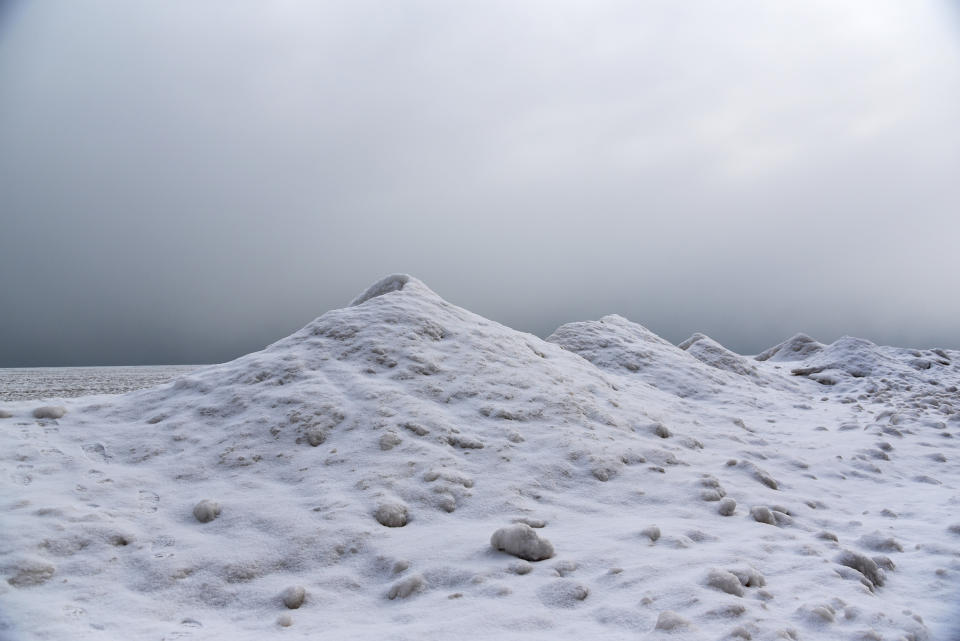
(521, 541)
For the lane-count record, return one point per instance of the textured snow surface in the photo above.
(39, 382)
(351, 480)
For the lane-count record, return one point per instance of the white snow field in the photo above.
(405, 469)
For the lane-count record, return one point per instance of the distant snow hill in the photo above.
(405, 469)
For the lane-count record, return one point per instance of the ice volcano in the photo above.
(405, 468)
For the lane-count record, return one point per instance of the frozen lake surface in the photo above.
(28, 383)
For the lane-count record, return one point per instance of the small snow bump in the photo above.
(711, 495)
(535, 523)
(389, 440)
(206, 510)
(293, 596)
(661, 430)
(30, 573)
(725, 582)
(652, 533)
(562, 593)
(818, 615)
(465, 442)
(521, 541)
(670, 620)
(879, 543)
(862, 564)
(416, 428)
(49, 411)
(749, 577)
(763, 514)
(392, 514)
(727, 506)
(520, 568)
(316, 436)
(406, 587)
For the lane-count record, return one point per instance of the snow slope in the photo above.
(363, 465)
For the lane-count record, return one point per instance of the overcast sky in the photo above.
(185, 182)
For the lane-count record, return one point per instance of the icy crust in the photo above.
(378, 473)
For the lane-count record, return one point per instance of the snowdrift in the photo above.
(403, 468)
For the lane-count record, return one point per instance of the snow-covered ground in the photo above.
(686, 492)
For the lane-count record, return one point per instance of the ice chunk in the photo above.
(727, 506)
(521, 541)
(391, 514)
(725, 582)
(862, 564)
(49, 411)
(763, 514)
(294, 596)
(206, 510)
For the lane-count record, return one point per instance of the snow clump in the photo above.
(294, 596)
(862, 564)
(725, 582)
(391, 514)
(763, 514)
(749, 578)
(405, 587)
(206, 510)
(50, 411)
(670, 620)
(727, 507)
(521, 541)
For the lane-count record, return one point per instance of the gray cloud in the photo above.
(185, 182)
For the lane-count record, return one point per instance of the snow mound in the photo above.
(795, 348)
(706, 350)
(848, 359)
(617, 345)
(363, 462)
(698, 368)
